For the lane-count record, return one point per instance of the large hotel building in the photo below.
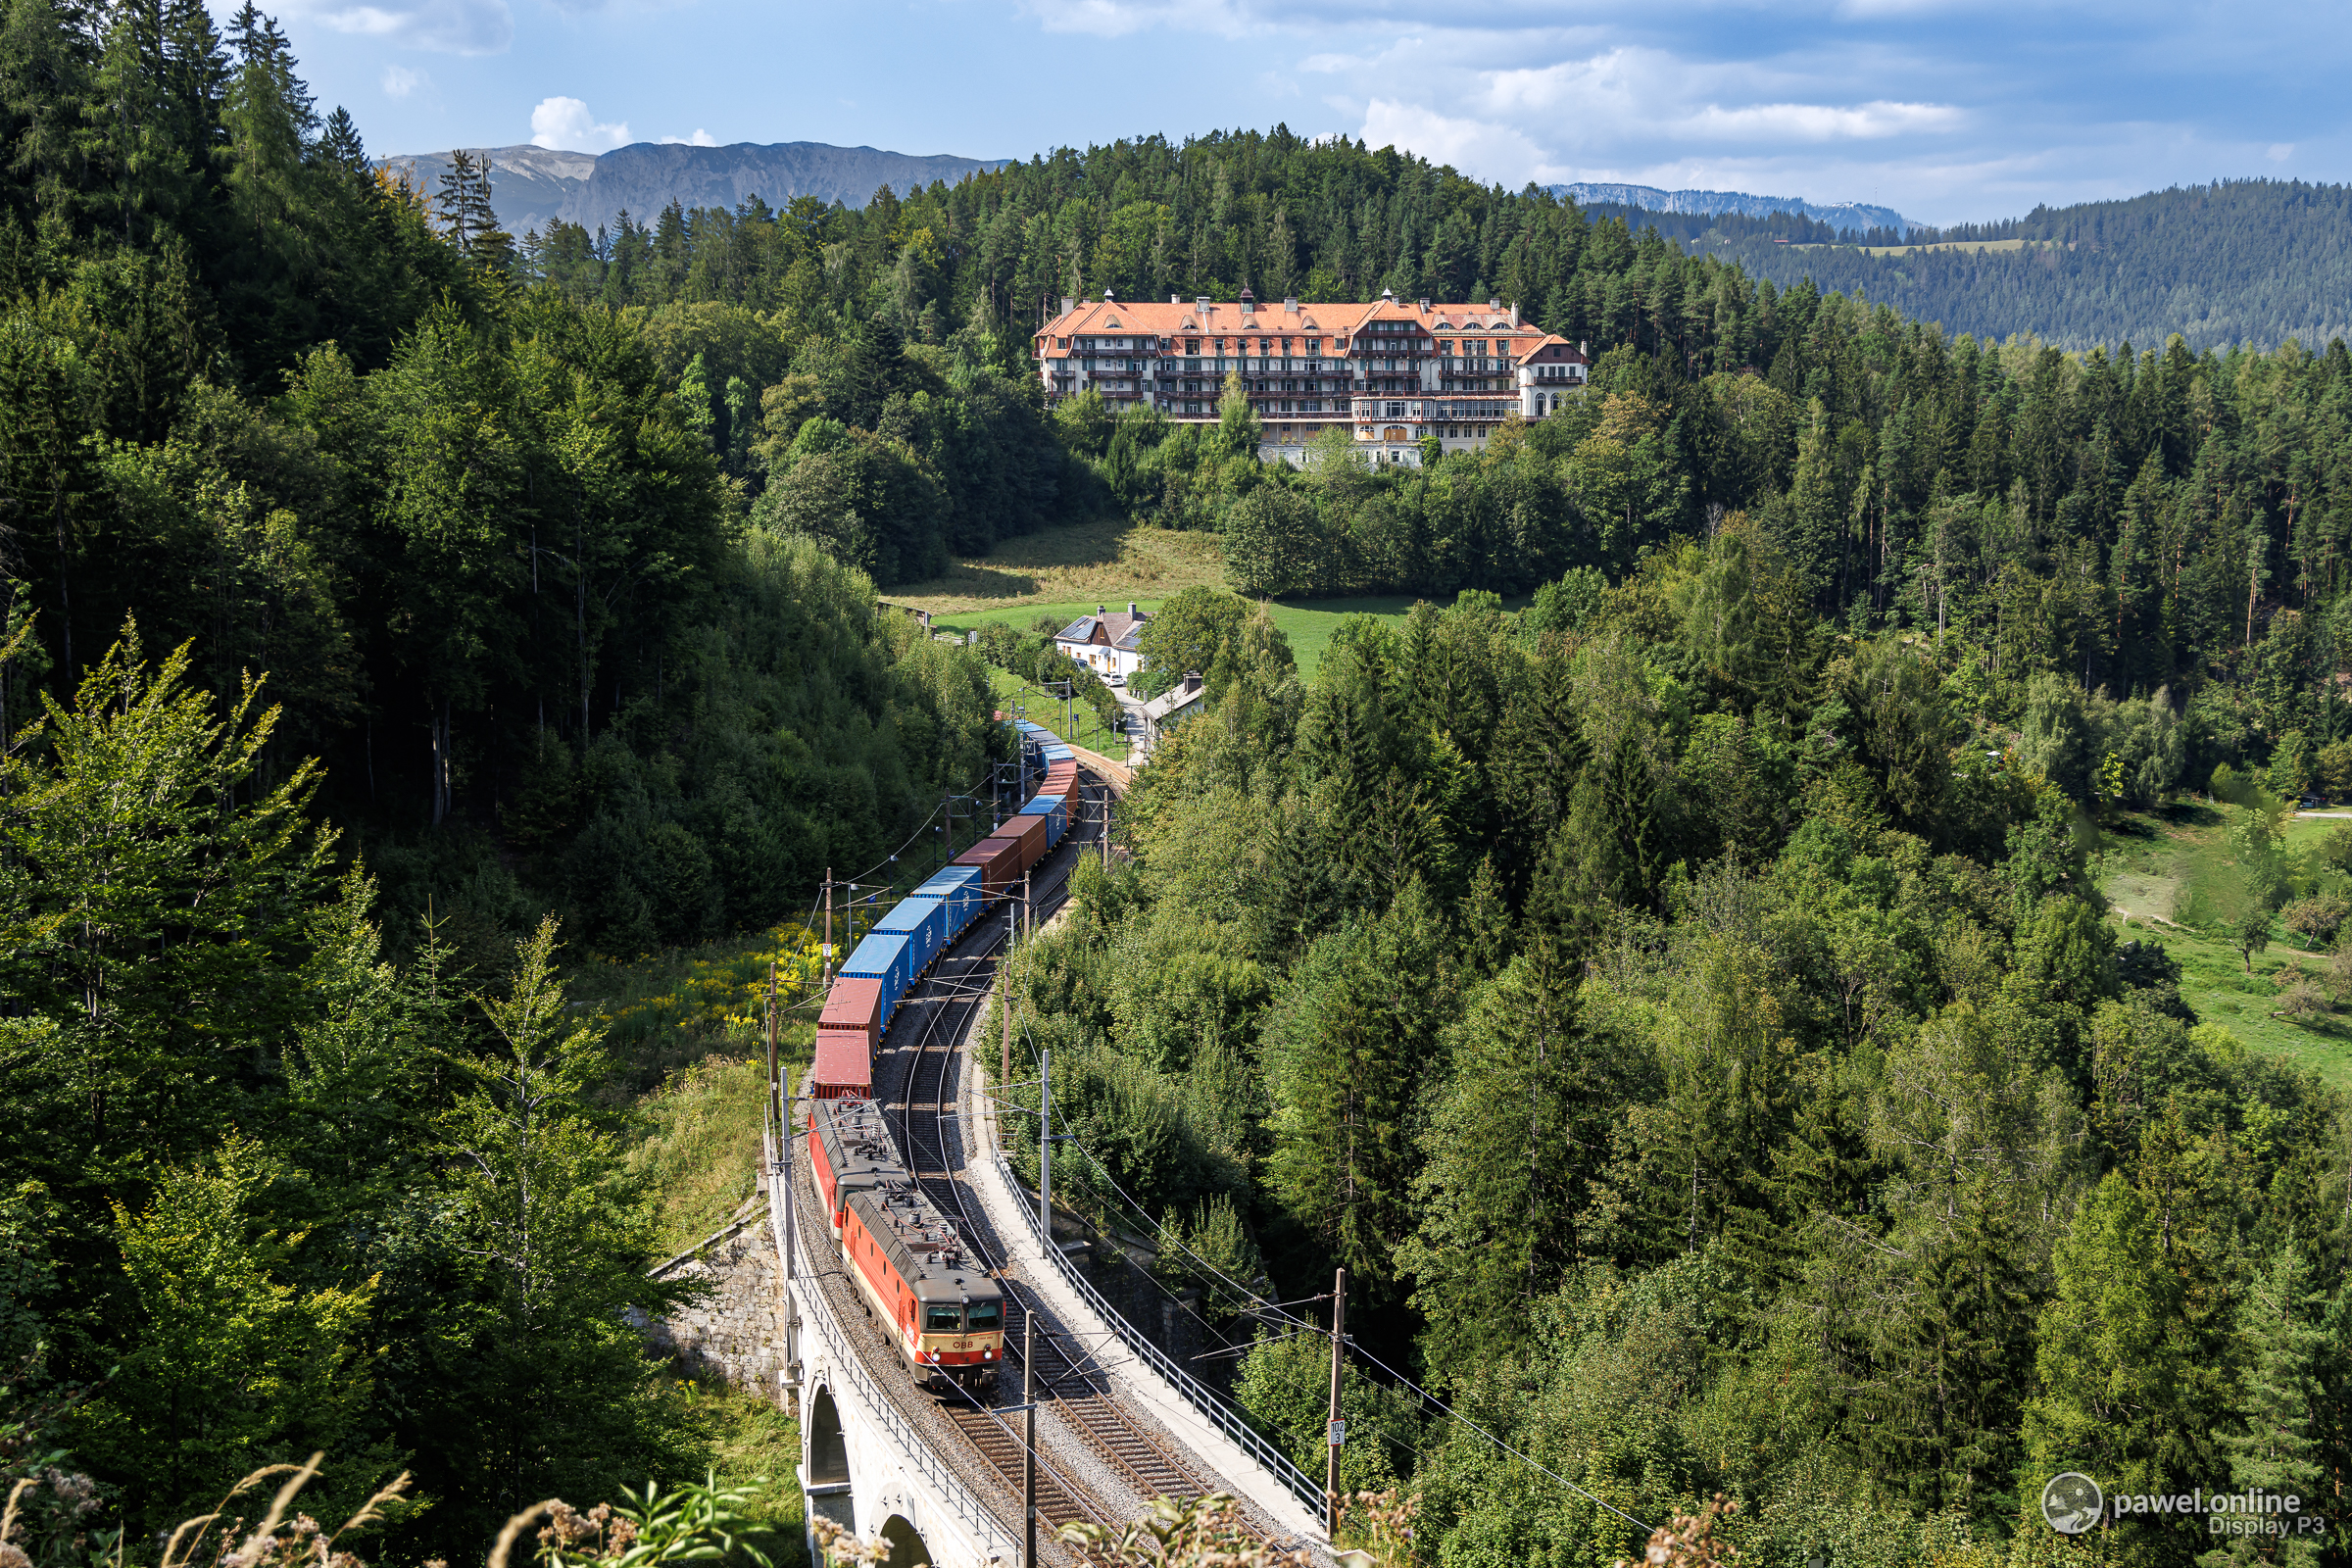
(1393, 373)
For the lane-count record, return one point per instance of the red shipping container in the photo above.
(999, 859)
(1032, 832)
(848, 1033)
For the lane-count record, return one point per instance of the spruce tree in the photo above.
(2279, 1328)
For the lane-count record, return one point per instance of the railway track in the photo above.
(924, 1084)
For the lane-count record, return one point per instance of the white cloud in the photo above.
(700, 138)
(399, 82)
(1809, 122)
(1116, 19)
(1477, 147)
(2281, 151)
(446, 27)
(565, 125)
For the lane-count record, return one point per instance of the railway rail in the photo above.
(921, 1086)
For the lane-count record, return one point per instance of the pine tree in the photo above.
(1514, 1147)
(1347, 1050)
(2279, 1325)
(463, 206)
(541, 1203)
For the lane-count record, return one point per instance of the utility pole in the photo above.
(780, 1194)
(1337, 1432)
(1004, 996)
(829, 928)
(1029, 1437)
(775, 1095)
(1044, 1146)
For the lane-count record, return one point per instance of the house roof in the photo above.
(1183, 694)
(1119, 629)
(1337, 322)
(1561, 349)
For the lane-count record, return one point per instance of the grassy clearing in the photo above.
(1063, 573)
(2153, 868)
(1103, 562)
(671, 1009)
(1308, 623)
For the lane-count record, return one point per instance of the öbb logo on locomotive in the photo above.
(911, 1266)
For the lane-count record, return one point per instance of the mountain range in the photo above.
(531, 187)
(1838, 215)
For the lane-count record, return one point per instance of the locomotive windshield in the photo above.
(943, 1318)
(984, 1317)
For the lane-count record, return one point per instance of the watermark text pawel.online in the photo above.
(2074, 1503)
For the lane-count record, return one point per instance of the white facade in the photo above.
(1106, 642)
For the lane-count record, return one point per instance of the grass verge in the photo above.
(700, 1151)
(1100, 561)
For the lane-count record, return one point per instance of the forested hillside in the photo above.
(2239, 261)
(1697, 1033)
(384, 639)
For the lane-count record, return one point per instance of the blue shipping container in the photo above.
(883, 958)
(1055, 813)
(923, 922)
(958, 888)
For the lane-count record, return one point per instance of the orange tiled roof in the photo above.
(1226, 318)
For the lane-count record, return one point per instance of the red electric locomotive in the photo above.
(946, 1315)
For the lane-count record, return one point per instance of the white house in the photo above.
(1106, 643)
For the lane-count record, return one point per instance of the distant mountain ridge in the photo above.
(2240, 261)
(531, 187)
(1839, 215)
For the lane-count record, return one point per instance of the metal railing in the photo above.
(911, 1445)
(1223, 1416)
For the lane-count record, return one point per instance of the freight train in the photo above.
(914, 1272)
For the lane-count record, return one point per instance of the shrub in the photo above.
(2317, 918)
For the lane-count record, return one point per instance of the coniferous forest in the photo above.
(1684, 1003)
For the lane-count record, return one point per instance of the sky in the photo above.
(1945, 111)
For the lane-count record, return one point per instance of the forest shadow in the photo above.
(973, 581)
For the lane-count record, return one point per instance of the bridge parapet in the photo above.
(891, 1470)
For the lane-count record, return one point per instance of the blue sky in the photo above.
(1945, 111)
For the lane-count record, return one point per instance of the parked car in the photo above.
(1114, 679)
